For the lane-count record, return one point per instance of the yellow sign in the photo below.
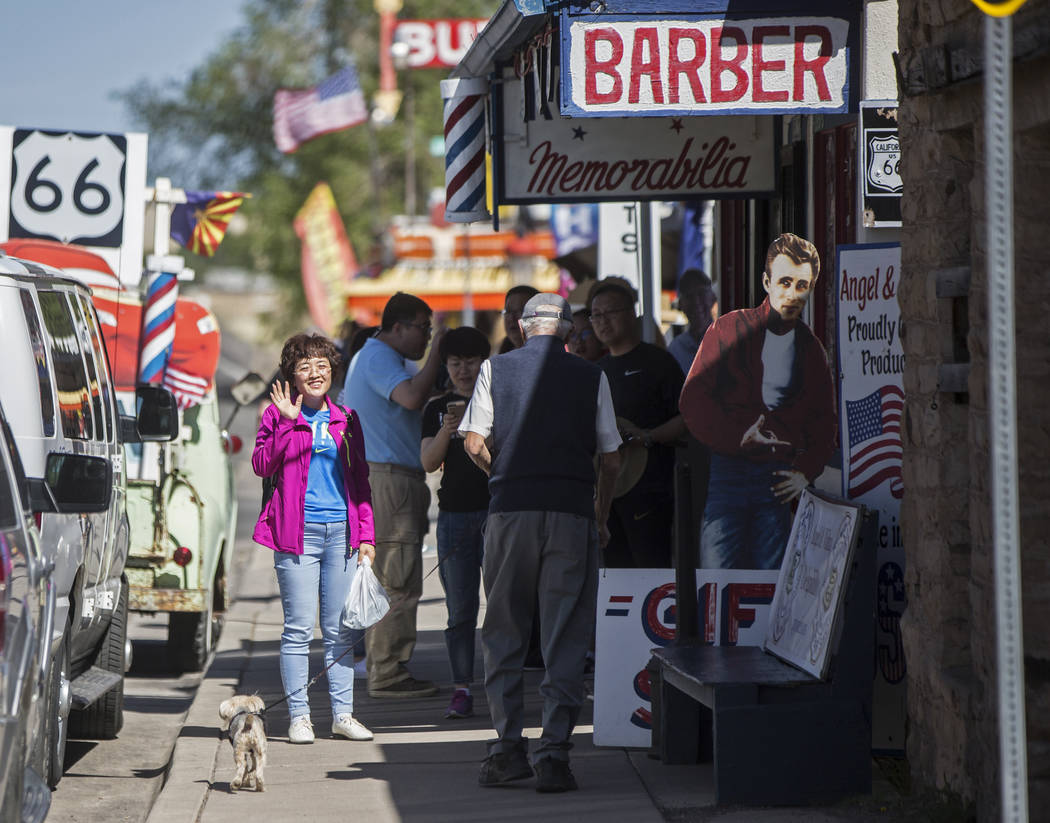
(998, 8)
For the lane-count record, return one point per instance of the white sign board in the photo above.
(871, 397)
(636, 612)
(76, 187)
(673, 158)
(662, 65)
(811, 585)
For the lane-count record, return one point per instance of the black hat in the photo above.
(545, 304)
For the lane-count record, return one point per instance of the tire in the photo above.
(56, 726)
(104, 718)
(190, 639)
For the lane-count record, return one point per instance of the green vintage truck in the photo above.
(181, 502)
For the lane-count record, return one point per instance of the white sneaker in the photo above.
(348, 727)
(301, 730)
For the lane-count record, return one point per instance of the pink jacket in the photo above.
(283, 446)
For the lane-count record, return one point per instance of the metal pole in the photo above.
(998, 129)
(650, 301)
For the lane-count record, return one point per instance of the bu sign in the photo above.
(706, 66)
(436, 43)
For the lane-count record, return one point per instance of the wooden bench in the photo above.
(777, 735)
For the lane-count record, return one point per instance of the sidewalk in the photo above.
(420, 767)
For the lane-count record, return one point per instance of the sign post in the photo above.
(1002, 391)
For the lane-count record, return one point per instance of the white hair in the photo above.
(532, 326)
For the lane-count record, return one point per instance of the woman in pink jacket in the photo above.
(318, 517)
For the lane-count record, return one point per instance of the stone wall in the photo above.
(949, 625)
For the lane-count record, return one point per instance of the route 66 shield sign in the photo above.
(884, 156)
(68, 187)
(76, 187)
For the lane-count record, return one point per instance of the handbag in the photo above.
(366, 602)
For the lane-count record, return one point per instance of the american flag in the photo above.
(875, 452)
(189, 389)
(303, 114)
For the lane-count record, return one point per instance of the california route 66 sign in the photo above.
(884, 157)
(881, 150)
(68, 187)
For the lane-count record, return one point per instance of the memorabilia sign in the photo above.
(436, 44)
(880, 149)
(646, 65)
(871, 397)
(673, 158)
(812, 582)
(76, 187)
(636, 612)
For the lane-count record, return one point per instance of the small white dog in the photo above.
(242, 722)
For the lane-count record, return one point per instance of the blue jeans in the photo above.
(745, 527)
(322, 572)
(460, 551)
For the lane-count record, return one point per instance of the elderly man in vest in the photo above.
(536, 420)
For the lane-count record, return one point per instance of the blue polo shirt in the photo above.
(392, 432)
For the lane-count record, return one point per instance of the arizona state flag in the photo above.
(200, 223)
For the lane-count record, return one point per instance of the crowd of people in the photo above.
(557, 458)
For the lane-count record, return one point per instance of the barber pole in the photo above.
(465, 149)
(158, 325)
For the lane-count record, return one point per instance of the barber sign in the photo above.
(692, 65)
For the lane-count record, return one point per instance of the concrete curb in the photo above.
(191, 768)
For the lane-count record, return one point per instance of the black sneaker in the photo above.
(554, 776)
(404, 689)
(501, 768)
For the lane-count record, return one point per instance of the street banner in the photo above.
(636, 613)
(812, 582)
(880, 153)
(436, 44)
(693, 64)
(564, 160)
(871, 397)
(327, 260)
(76, 187)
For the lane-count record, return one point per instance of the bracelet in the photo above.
(647, 439)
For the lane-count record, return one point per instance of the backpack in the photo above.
(270, 483)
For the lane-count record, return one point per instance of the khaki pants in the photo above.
(400, 499)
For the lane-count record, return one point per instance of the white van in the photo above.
(56, 390)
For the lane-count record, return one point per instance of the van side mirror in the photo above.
(73, 484)
(248, 389)
(158, 414)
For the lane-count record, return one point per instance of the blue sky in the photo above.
(62, 59)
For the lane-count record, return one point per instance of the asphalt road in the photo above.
(118, 780)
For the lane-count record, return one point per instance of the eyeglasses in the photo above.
(308, 368)
(602, 315)
(586, 334)
(512, 314)
(426, 328)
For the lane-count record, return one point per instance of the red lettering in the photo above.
(594, 66)
(759, 64)
(737, 615)
(642, 67)
(733, 65)
(814, 66)
(690, 68)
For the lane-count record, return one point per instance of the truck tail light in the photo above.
(38, 517)
(182, 556)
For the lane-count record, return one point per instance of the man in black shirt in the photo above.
(463, 501)
(645, 381)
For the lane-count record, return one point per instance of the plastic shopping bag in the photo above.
(366, 602)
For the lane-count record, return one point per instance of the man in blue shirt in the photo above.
(388, 394)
